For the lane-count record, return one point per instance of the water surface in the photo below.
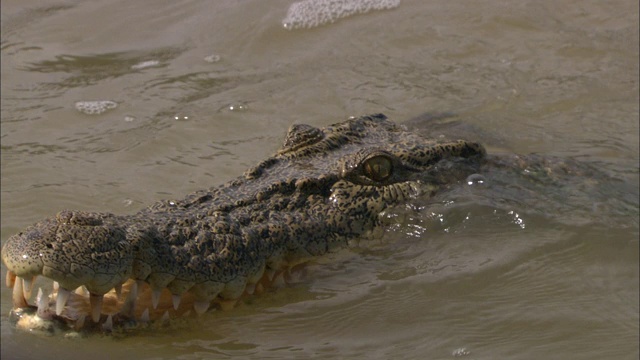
(205, 90)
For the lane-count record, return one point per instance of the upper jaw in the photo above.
(73, 251)
(59, 249)
(23, 252)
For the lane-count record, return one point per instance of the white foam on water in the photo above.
(95, 107)
(460, 352)
(212, 58)
(312, 13)
(145, 64)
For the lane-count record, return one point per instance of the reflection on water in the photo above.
(526, 265)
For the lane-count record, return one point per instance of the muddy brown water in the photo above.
(557, 78)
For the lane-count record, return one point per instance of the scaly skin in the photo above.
(322, 188)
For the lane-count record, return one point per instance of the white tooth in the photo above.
(61, 300)
(176, 301)
(80, 322)
(165, 316)
(145, 315)
(39, 296)
(250, 289)
(118, 289)
(201, 306)
(18, 296)
(129, 305)
(133, 291)
(56, 286)
(108, 324)
(26, 287)
(96, 306)
(42, 303)
(82, 291)
(10, 279)
(155, 298)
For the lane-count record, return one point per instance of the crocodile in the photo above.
(321, 189)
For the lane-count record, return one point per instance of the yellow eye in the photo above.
(378, 168)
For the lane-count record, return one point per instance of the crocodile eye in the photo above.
(378, 168)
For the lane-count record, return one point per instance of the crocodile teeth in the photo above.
(108, 324)
(82, 291)
(201, 306)
(133, 291)
(42, 303)
(165, 316)
(40, 297)
(176, 301)
(10, 279)
(56, 286)
(61, 300)
(129, 305)
(96, 306)
(155, 298)
(145, 315)
(250, 289)
(18, 296)
(26, 287)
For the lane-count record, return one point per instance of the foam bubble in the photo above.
(312, 13)
(145, 64)
(95, 107)
(212, 58)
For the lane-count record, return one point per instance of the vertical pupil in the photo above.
(378, 168)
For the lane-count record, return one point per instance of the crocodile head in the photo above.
(322, 188)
